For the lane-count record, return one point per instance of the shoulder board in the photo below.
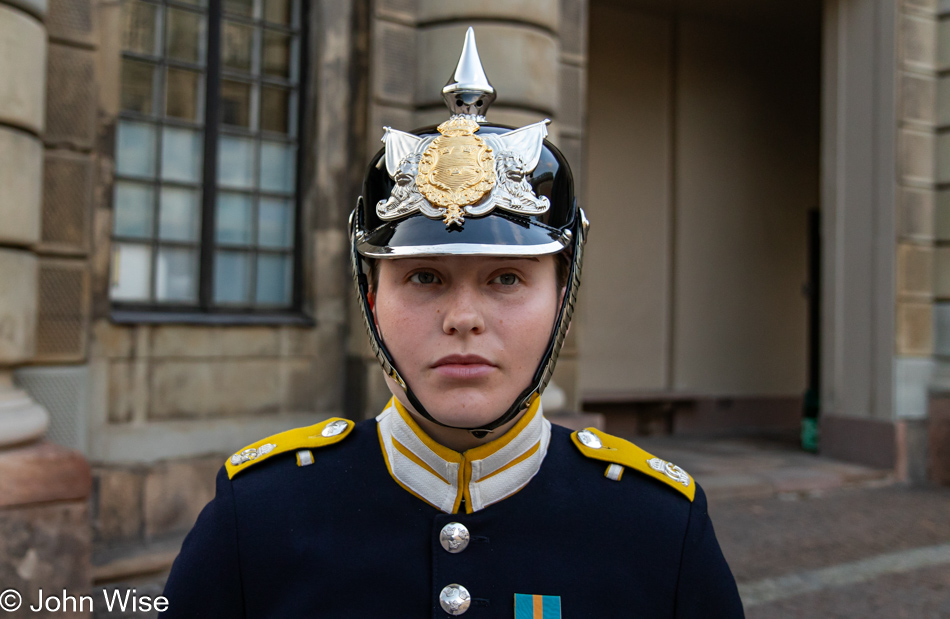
(620, 453)
(325, 433)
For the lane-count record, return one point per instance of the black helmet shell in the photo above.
(499, 232)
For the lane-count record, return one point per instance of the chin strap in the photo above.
(545, 368)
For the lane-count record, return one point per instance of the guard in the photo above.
(460, 498)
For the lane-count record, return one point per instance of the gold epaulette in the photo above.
(620, 453)
(325, 433)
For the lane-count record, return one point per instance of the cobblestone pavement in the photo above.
(919, 594)
(738, 467)
(808, 537)
(772, 536)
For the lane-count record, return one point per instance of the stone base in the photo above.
(42, 472)
(684, 414)
(863, 441)
(137, 505)
(938, 439)
(45, 537)
(46, 547)
(21, 419)
(911, 461)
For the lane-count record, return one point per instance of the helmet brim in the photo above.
(500, 234)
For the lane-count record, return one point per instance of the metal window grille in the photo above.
(209, 86)
(61, 390)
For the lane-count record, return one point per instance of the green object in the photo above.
(810, 434)
(811, 409)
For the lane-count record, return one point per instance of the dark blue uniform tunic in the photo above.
(340, 538)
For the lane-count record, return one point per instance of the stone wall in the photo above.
(169, 400)
(51, 546)
(887, 264)
(182, 388)
(140, 514)
(880, 185)
(164, 391)
(938, 421)
(916, 197)
(44, 522)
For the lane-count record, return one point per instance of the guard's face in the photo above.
(467, 333)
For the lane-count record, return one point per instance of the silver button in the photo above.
(332, 429)
(454, 537)
(455, 599)
(589, 439)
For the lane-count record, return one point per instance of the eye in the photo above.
(424, 277)
(506, 279)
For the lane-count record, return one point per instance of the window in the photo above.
(204, 208)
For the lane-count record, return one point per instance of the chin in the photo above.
(462, 411)
(467, 422)
(464, 407)
(469, 410)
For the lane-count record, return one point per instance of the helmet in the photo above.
(472, 188)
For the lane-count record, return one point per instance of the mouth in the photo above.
(464, 367)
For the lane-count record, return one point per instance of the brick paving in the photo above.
(920, 594)
(781, 514)
(771, 536)
(746, 467)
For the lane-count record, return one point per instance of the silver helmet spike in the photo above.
(468, 91)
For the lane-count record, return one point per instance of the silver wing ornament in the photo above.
(403, 152)
(513, 154)
(516, 154)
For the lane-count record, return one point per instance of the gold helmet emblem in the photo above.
(456, 170)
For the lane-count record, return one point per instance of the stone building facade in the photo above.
(44, 509)
(881, 158)
(139, 137)
(107, 118)
(737, 120)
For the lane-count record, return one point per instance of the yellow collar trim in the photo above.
(442, 451)
(479, 476)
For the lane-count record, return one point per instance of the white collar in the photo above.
(481, 476)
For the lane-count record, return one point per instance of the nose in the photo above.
(463, 313)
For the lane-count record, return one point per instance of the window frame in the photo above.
(204, 310)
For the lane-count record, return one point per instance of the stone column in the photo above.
(918, 178)
(938, 417)
(44, 531)
(22, 99)
(885, 174)
(858, 203)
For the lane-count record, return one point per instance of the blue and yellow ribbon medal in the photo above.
(537, 606)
